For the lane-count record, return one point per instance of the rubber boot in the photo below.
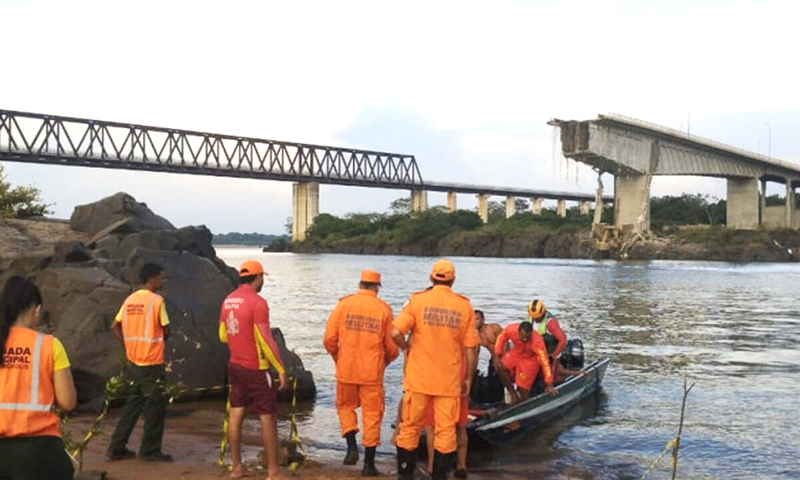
(369, 469)
(406, 464)
(441, 464)
(352, 449)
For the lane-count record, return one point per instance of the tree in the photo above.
(20, 202)
(400, 206)
(521, 205)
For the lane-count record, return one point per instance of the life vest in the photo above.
(26, 386)
(141, 328)
(541, 328)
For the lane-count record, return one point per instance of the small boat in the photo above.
(499, 425)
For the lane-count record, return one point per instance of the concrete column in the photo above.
(305, 208)
(419, 200)
(510, 206)
(789, 204)
(743, 203)
(585, 206)
(451, 202)
(631, 201)
(561, 208)
(762, 204)
(536, 206)
(483, 207)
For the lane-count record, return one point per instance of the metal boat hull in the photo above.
(506, 425)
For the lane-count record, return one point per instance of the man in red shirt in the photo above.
(523, 361)
(244, 326)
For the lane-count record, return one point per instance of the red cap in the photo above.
(443, 270)
(251, 267)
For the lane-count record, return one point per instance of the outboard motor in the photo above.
(572, 356)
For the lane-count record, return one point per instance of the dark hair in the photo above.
(526, 327)
(449, 283)
(480, 312)
(368, 285)
(247, 280)
(18, 295)
(150, 270)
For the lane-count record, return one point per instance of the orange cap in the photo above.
(443, 270)
(251, 267)
(370, 276)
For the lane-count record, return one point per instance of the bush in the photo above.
(20, 202)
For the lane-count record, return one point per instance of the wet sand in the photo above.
(192, 436)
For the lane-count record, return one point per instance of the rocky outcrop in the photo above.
(88, 270)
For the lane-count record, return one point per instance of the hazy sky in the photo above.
(466, 87)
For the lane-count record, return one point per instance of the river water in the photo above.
(732, 329)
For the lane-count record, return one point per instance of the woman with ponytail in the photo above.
(35, 377)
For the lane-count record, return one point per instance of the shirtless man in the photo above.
(487, 332)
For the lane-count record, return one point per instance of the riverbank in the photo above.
(714, 244)
(192, 436)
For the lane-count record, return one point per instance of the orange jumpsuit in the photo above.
(359, 338)
(442, 324)
(523, 360)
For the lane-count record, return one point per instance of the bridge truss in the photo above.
(50, 139)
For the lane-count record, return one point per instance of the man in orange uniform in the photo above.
(548, 327)
(523, 361)
(142, 326)
(244, 326)
(442, 327)
(359, 338)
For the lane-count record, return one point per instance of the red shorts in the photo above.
(523, 369)
(463, 413)
(253, 389)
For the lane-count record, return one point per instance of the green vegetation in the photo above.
(777, 200)
(439, 232)
(20, 202)
(686, 210)
(249, 239)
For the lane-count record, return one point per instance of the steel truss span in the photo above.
(50, 139)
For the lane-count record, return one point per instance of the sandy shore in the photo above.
(192, 436)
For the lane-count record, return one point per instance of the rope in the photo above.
(294, 436)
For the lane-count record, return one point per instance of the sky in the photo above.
(466, 87)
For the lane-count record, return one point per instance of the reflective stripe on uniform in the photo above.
(143, 339)
(33, 406)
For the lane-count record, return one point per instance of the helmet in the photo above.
(536, 309)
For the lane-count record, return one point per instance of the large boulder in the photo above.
(120, 211)
(86, 275)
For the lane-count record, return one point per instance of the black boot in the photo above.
(352, 449)
(406, 464)
(441, 464)
(369, 469)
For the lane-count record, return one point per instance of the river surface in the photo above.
(733, 329)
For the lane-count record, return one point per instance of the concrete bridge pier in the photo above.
(511, 206)
(419, 201)
(631, 200)
(790, 204)
(743, 203)
(536, 206)
(451, 202)
(585, 206)
(762, 204)
(561, 208)
(305, 208)
(483, 207)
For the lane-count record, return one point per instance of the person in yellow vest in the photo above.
(35, 376)
(142, 326)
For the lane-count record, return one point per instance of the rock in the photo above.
(83, 289)
(94, 217)
(70, 252)
(306, 390)
(193, 294)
